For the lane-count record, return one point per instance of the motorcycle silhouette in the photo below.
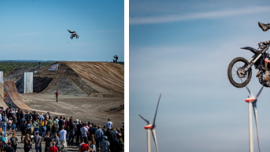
(240, 72)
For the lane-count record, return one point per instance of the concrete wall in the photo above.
(28, 82)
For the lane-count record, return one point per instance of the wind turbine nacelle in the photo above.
(148, 126)
(250, 100)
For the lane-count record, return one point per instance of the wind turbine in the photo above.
(151, 127)
(252, 102)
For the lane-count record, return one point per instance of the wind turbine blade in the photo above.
(155, 138)
(156, 111)
(257, 96)
(247, 88)
(145, 120)
(254, 104)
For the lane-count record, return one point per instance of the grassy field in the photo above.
(9, 66)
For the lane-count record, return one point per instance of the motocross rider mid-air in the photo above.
(264, 27)
(240, 69)
(73, 34)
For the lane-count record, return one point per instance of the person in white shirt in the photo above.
(109, 124)
(62, 135)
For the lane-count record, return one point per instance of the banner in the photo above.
(54, 67)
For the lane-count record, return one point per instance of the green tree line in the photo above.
(8, 67)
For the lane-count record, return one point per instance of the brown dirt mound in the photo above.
(85, 79)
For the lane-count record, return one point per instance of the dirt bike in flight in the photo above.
(240, 72)
(73, 34)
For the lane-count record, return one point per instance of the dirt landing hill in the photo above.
(95, 79)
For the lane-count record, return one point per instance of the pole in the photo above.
(251, 146)
(148, 141)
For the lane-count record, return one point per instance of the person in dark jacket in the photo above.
(56, 95)
(9, 148)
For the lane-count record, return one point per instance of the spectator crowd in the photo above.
(57, 133)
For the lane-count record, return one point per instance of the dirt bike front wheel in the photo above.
(236, 74)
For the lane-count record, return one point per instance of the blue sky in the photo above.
(37, 30)
(182, 49)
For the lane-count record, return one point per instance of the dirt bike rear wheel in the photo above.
(238, 79)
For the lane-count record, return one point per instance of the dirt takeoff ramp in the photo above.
(2, 103)
(14, 96)
(15, 99)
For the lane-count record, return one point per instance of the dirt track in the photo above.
(84, 108)
(87, 91)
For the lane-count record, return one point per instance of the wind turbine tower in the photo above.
(151, 128)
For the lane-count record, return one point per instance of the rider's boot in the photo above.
(264, 27)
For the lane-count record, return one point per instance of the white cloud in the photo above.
(195, 16)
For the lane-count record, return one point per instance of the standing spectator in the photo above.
(9, 148)
(54, 127)
(119, 134)
(66, 123)
(36, 130)
(109, 124)
(4, 141)
(53, 148)
(64, 149)
(4, 122)
(78, 131)
(121, 145)
(56, 119)
(28, 127)
(71, 128)
(56, 95)
(92, 146)
(57, 141)
(85, 147)
(123, 131)
(44, 128)
(23, 130)
(0, 117)
(82, 142)
(14, 141)
(48, 141)
(49, 125)
(41, 117)
(61, 122)
(92, 130)
(110, 135)
(34, 115)
(27, 116)
(14, 122)
(88, 125)
(105, 145)
(63, 135)
(38, 140)
(27, 143)
(18, 119)
(98, 136)
(115, 145)
(84, 133)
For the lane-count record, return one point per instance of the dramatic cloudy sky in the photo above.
(37, 30)
(182, 49)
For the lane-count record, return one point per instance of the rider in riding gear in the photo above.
(73, 34)
(263, 26)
